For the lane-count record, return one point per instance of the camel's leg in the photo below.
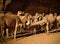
(42, 28)
(15, 30)
(2, 32)
(50, 26)
(47, 28)
(12, 35)
(7, 33)
(15, 34)
(34, 31)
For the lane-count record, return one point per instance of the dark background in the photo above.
(33, 6)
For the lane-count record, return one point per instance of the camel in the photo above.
(47, 19)
(10, 22)
(58, 20)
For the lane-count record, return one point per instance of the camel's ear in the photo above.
(20, 12)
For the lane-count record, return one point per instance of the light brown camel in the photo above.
(48, 19)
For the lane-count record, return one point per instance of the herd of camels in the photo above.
(9, 22)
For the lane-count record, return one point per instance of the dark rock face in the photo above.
(33, 6)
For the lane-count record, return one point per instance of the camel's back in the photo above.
(51, 18)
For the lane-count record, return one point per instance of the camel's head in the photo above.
(37, 14)
(20, 12)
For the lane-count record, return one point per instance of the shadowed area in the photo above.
(33, 6)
